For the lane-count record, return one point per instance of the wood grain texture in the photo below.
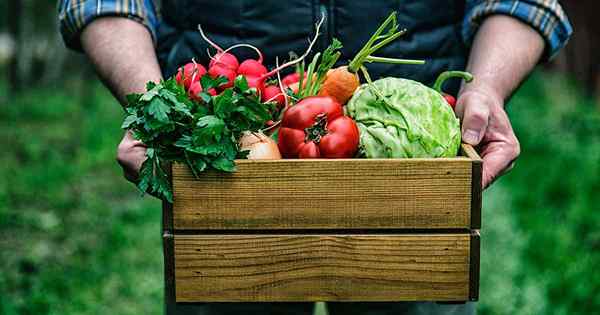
(474, 264)
(228, 268)
(468, 151)
(326, 194)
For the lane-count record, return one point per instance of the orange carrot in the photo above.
(340, 83)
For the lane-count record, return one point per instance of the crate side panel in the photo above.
(256, 268)
(299, 194)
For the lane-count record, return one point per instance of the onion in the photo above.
(261, 147)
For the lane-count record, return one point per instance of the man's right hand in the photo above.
(123, 55)
(131, 153)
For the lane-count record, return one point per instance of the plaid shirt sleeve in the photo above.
(545, 16)
(75, 15)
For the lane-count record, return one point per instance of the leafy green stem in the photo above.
(370, 59)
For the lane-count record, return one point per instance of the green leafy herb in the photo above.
(203, 135)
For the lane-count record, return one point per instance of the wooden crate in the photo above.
(326, 230)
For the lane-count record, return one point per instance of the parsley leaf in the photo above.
(204, 135)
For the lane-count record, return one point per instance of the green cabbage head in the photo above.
(400, 118)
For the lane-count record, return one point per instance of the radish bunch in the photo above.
(225, 64)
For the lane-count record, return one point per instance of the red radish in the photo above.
(190, 73)
(272, 93)
(249, 66)
(224, 59)
(218, 70)
(252, 67)
(196, 88)
(291, 78)
(257, 82)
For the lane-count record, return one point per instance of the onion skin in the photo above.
(261, 147)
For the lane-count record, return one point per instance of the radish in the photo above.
(195, 89)
(219, 70)
(272, 93)
(257, 82)
(291, 78)
(224, 59)
(251, 67)
(190, 73)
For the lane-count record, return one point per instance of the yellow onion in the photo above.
(261, 147)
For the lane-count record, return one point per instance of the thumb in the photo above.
(475, 118)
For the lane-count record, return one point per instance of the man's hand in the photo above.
(122, 53)
(485, 122)
(131, 153)
(504, 51)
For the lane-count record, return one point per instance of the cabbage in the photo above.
(400, 118)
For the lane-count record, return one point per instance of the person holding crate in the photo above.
(498, 41)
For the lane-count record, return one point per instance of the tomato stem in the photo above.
(318, 130)
(451, 74)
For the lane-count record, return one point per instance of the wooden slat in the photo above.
(254, 268)
(474, 265)
(325, 194)
(476, 184)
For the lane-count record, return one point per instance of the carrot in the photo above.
(340, 83)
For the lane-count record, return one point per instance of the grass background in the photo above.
(75, 238)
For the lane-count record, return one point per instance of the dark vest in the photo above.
(278, 27)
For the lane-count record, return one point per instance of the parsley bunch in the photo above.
(203, 135)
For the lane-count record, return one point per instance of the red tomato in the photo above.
(316, 128)
(450, 99)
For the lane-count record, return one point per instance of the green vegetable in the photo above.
(400, 118)
(317, 70)
(202, 135)
(380, 39)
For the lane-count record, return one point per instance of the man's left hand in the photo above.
(486, 125)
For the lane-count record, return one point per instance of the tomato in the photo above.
(316, 128)
(450, 99)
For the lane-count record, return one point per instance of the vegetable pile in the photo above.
(207, 116)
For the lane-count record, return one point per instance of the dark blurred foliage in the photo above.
(36, 54)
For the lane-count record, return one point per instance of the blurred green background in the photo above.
(76, 238)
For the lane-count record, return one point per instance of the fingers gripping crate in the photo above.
(326, 230)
